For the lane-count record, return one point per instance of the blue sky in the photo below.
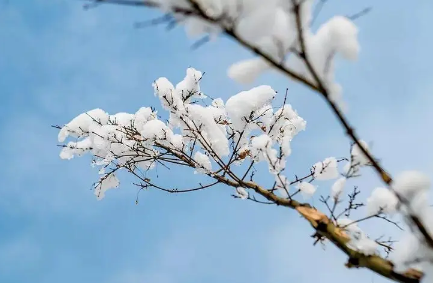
(57, 61)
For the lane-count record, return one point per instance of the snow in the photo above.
(256, 25)
(359, 241)
(102, 138)
(166, 93)
(156, 130)
(338, 187)
(261, 147)
(247, 71)
(286, 124)
(122, 119)
(203, 163)
(142, 116)
(241, 192)
(271, 27)
(406, 250)
(189, 87)
(382, 200)
(307, 189)
(358, 157)
(326, 169)
(137, 139)
(342, 34)
(80, 125)
(411, 184)
(177, 141)
(261, 150)
(107, 182)
(76, 148)
(203, 119)
(365, 245)
(240, 106)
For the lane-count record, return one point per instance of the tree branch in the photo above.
(319, 221)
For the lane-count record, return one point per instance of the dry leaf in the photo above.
(244, 154)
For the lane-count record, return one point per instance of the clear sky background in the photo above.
(57, 60)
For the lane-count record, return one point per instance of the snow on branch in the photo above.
(209, 138)
(225, 140)
(222, 141)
